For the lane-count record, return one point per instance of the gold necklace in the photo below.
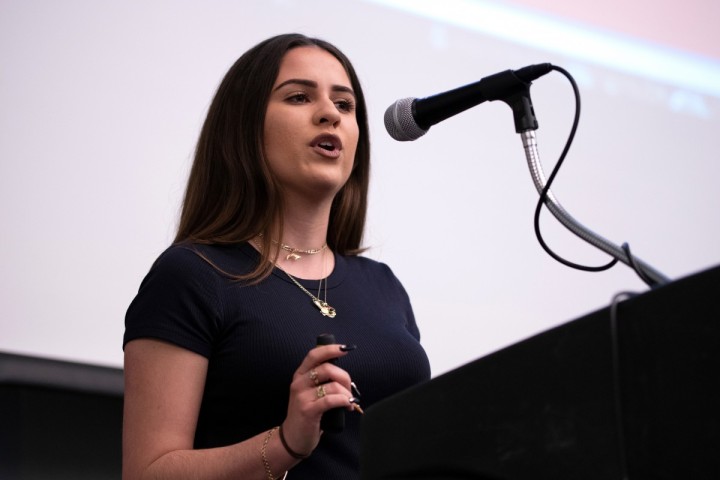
(322, 305)
(293, 255)
(295, 252)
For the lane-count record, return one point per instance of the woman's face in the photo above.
(310, 132)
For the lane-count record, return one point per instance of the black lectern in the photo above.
(581, 401)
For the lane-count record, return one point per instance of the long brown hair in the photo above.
(231, 194)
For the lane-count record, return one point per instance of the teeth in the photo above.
(327, 146)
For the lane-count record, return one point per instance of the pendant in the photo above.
(293, 256)
(324, 308)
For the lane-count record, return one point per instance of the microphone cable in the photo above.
(544, 194)
(617, 383)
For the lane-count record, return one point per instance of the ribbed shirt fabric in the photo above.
(255, 337)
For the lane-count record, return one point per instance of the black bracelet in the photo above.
(292, 453)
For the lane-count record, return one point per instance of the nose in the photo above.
(327, 112)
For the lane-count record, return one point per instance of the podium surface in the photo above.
(630, 392)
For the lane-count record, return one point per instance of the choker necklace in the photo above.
(295, 252)
(293, 255)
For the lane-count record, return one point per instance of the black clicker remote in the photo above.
(333, 421)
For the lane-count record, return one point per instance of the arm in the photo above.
(163, 391)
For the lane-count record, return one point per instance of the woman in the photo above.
(222, 375)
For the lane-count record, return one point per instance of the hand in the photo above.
(317, 387)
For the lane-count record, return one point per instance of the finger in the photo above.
(315, 376)
(319, 355)
(341, 399)
(326, 372)
(331, 395)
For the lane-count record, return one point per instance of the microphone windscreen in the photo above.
(400, 123)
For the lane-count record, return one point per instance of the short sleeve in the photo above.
(405, 302)
(178, 302)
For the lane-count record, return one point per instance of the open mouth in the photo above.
(329, 143)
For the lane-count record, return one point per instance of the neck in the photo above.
(305, 227)
(307, 266)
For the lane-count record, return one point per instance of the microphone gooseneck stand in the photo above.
(410, 118)
(533, 159)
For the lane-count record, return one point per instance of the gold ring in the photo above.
(314, 376)
(320, 391)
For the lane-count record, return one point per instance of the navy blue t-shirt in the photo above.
(255, 337)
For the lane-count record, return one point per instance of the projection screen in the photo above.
(101, 104)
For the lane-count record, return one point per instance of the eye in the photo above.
(297, 98)
(345, 105)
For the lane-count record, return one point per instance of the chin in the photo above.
(326, 187)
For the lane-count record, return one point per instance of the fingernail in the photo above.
(347, 348)
(355, 389)
(354, 405)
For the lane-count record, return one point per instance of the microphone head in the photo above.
(400, 123)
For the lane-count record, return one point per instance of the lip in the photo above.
(330, 139)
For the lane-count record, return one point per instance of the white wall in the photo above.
(101, 103)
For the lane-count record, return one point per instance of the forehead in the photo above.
(312, 63)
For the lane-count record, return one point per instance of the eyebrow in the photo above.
(313, 84)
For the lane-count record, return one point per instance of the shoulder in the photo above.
(198, 259)
(181, 299)
(178, 257)
(367, 264)
(204, 269)
(370, 270)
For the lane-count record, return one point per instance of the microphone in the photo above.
(410, 118)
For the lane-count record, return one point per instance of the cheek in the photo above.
(355, 139)
(273, 134)
(279, 132)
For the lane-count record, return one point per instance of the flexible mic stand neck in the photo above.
(533, 159)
